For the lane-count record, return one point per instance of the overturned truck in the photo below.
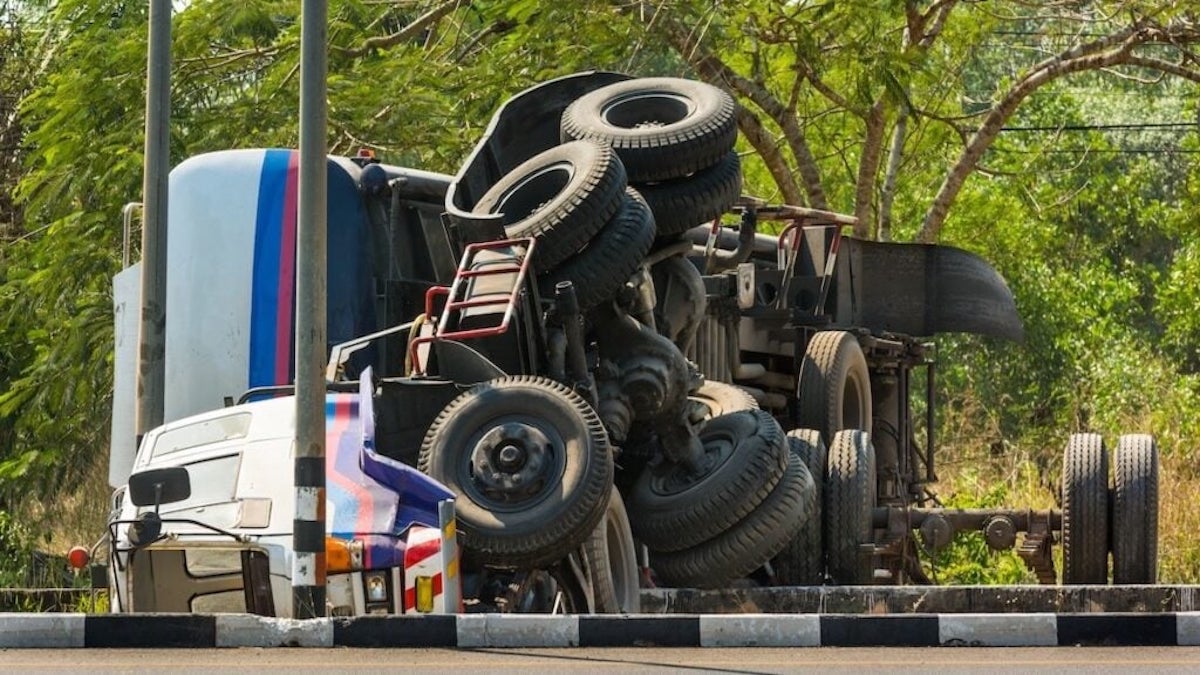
(611, 387)
(823, 332)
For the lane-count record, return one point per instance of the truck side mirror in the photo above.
(159, 486)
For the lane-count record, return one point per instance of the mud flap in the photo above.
(922, 290)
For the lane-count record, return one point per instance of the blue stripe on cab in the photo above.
(264, 298)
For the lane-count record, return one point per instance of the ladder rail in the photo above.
(457, 286)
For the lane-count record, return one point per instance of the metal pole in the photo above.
(151, 381)
(308, 563)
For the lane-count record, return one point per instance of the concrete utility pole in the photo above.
(151, 381)
(308, 564)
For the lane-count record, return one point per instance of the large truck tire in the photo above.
(613, 255)
(1085, 510)
(744, 458)
(713, 399)
(611, 558)
(849, 502)
(802, 561)
(661, 127)
(834, 388)
(530, 465)
(1135, 510)
(683, 203)
(748, 544)
(561, 197)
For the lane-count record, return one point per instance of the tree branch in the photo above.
(407, 33)
(828, 92)
(715, 71)
(940, 11)
(1106, 51)
(768, 148)
(1163, 66)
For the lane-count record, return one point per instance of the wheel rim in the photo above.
(673, 478)
(646, 110)
(513, 465)
(615, 540)
(533, 192)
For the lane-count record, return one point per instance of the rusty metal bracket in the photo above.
(1035, 549)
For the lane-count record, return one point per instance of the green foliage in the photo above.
(968, 560)
(16, 548)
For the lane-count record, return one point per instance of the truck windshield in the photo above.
(228, 428)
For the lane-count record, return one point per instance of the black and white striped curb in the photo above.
(516, 630)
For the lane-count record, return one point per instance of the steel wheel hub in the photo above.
(677, 478)
(511, 461)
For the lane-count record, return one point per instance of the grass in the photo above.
(75, 517)
(979, 468)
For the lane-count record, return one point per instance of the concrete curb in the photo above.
(57, 631)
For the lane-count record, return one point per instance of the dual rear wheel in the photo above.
(1097, 519)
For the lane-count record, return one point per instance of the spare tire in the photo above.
(744, 458)
(747, 545)
(561, 197)
(661, 127)
(683, 203)
(713, 399)
(530, 465)
(613, 255)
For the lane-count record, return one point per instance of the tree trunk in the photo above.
(889, 181)
(868, 168)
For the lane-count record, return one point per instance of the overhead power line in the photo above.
(1101, 151)
(1188, 126)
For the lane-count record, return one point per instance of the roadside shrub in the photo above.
(16, 549)
(968, 560)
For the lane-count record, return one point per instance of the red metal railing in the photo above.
(521, 252)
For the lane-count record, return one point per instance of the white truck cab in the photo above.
(205, 523)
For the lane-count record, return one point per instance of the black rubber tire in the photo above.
(1085, 510)
(849, 500)
(834, 387)
(547, 525)
(561, 197)
(714, 398)
(600, 269)
(1135, 510)
(683, 203)
(661, 127)
(802, 561)
(748, 544)
(611, 557)
(747, 456)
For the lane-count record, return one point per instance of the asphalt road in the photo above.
(625, 660)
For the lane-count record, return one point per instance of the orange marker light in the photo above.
(342, 555)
